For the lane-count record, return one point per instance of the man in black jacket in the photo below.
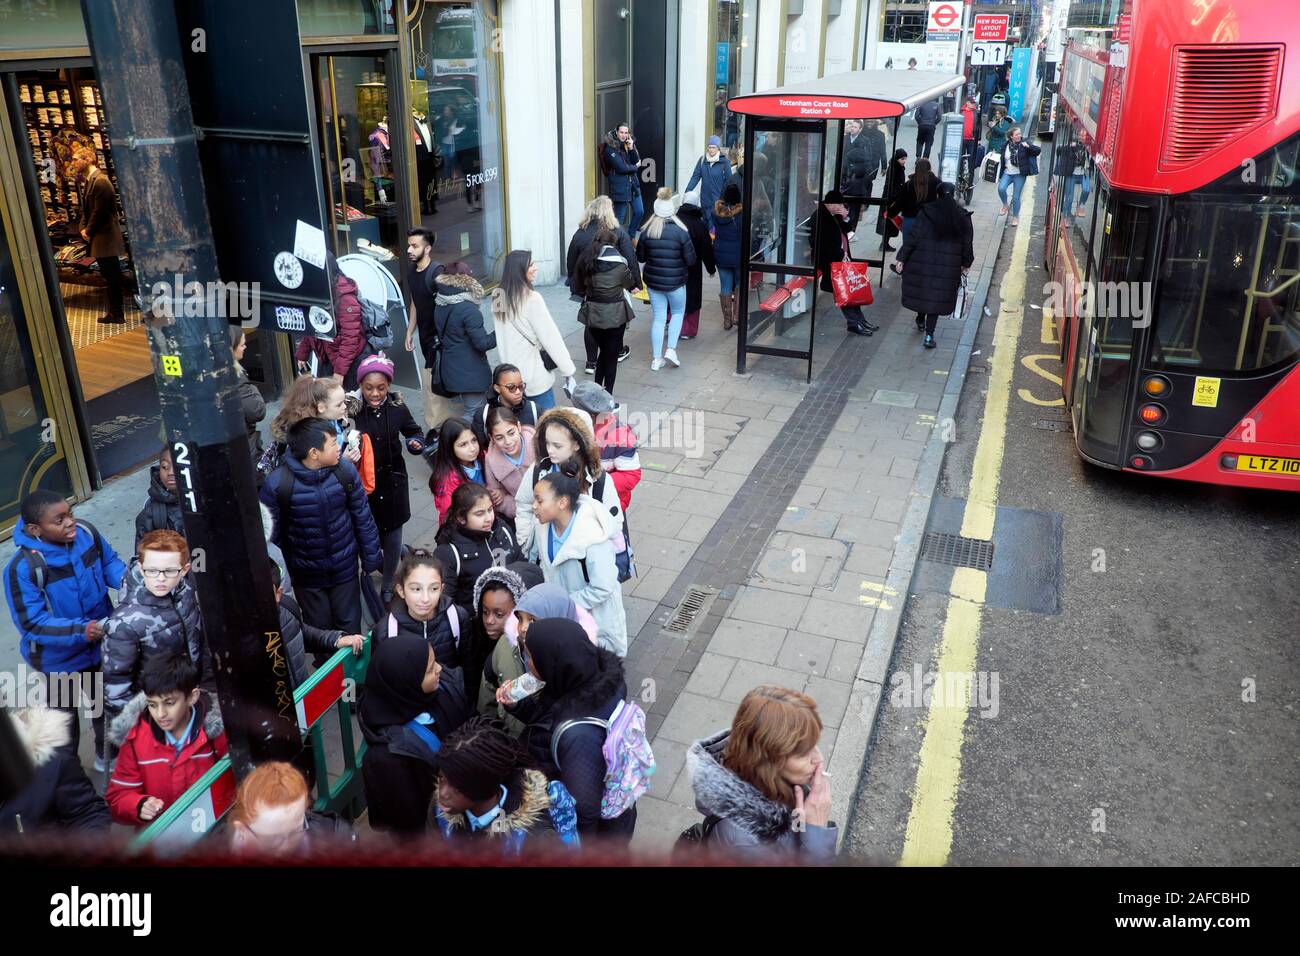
(927, 118)
(864, 158)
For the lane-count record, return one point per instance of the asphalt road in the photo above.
(1118, 733)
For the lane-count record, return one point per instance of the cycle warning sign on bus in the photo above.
(1206, 392)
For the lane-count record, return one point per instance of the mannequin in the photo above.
(381, 158)
(427, 159)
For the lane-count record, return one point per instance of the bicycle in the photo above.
(965, 180)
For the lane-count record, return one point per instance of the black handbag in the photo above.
(548, 363)
(436, 383)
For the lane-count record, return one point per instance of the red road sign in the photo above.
(944, 17)
(991, 27)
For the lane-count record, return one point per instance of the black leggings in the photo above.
(929, 320)
(609, 342)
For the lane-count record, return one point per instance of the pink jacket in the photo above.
(502, 474)
(349, 338)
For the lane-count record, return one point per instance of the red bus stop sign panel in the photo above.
(808, 106)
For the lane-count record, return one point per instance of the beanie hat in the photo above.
(714, 141)
(665, 208)
(592, 399)
(375, 363)
(691, 198)
(731, 195)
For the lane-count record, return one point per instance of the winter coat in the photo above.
(524, 524)
(604, 306)
(998, 135)
(585, 236)
(712, 179)
(443, 490)
(618, 453)
(299, 637)
(390, 426)
(1023, 155)
(506, 662)
(702, 244)
(437, 631)
(622, 168)
(473, 552)
(928, 114)
(144, 626)
(584, 566)
(399, 771)
(522, 338)
(253, 407)
(59, 795)
(503, 474)
(830, 232)
(726, 235)
(149, 766)
(349, 337)
(932, 266)
(751, 824)
(906, 203)
(864, 159)
(162, 512)
(534, 811)
(465, 342)
(328, 528)
(895, 179)
(52, 624)
(668, 259)
(99, 217)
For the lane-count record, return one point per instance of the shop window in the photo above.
(733, 64)
(41, 26)
(345, 18)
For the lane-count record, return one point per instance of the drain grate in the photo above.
(693, 605)
(959, 552)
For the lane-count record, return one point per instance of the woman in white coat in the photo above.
(573, 543)
(525, 329)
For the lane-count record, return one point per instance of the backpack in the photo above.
(452, 618)
(374, 322)
(629, 760)
(456, 551)
(625, 559)
(697, 835)
(36, 560)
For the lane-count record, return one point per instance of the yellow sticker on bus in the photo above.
(1206, 392)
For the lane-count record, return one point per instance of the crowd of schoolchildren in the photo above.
(494, 703)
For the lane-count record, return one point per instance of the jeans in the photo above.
(1017, 182)
(609, 342)
(727, 279)
(924, 140)
(669, 309)
(544, 401)
(631, 213)
(907, 224)
(1083, 186)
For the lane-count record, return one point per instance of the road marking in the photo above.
(1033, 363)
(934, 799)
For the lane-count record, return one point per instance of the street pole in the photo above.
(136, 49)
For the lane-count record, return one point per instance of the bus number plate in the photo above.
(1272, 466)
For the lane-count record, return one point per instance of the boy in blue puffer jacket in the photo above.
(57, 590)
(323, 525)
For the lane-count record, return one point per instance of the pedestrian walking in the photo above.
(921, 187)
(527, 336)
(667, 254)
(421, 280)
(702, 242)
(762, 784)
(621, 164)
(471, 540)
(999, 126)
(599, 215)
(895, 179)
(711, 173)
(927, 118)
(970, 135)
(602, 277)
(830, 241)
(457, 459)
(511, 450)
(462, 341)
(1019, 162)
(338, 358)
(726, 251)
(251, 403)
(162, 510)
(935, 255)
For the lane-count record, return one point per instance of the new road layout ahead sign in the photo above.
(991, 27)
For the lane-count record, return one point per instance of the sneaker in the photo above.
(1005, 210)
(100, 765)
(656, 365)
(1015, 220)
(624, 352)
(929, 342)
(671, 355)
(685, 338)
(590, 368)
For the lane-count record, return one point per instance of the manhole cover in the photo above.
(959, 552)
(693, 606)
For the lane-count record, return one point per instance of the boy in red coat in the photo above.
(170, 737)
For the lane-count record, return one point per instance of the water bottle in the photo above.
(523, 686)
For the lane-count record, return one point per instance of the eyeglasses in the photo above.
(153, 574)
(513, 388)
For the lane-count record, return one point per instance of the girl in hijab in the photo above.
(410, 705)
(937, 251)
(581, 681)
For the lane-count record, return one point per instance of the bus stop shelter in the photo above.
(794, 155)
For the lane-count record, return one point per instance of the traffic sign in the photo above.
(988, 54)
(991, 27)
(944, 18)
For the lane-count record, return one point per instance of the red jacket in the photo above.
(618, 453)
(968, 122)
(148, 766)
(350, 336)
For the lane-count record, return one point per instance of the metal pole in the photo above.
(136, 49)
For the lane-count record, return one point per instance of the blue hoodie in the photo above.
(77, 578)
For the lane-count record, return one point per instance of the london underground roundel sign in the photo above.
(945, 15)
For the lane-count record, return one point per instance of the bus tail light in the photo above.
(1157, 386)
(1152, 414)
(1149, 441)
(1140, 461)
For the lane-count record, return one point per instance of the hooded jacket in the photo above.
(149, 766)
(60, 794)
(162, 512)
(467, 555)
(585, 236)
(666, 261)
(327, 529)
(390, 426)
(751, 824)
(702, 244)
(502, 474)
(621, 166)
(584, 566)
(52, 622)
(618, 453)
(604, 306)
(465, 342)
(436, 631)
(933, 263)
(349, 337)
(726, 239)
(143, 626)
(521, 339)
(534, 810)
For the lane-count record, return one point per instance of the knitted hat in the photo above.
(375, 363)
(592, 399)
(665, 208)
(691, 198)
(714, 141)
(731, 194)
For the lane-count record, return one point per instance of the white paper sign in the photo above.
(309, 244)
(288, 270)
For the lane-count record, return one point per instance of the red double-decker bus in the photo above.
(1174, 239)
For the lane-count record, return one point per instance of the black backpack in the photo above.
(284, 498)
(36, 560)
(697, 835)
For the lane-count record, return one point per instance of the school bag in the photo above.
(626, 558)
(452, 618)
(629, 760)
(40, 571)
(374, 321)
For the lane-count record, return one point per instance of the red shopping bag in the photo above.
(851, 283)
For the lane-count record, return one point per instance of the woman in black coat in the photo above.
(693, 217)
(937, 252)
(411, 704)
(600, 215)
(830, 242)
(459, 324)
(894, 179)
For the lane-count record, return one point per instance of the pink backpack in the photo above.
(629, 760)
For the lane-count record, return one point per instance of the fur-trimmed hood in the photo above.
(511, 579)
(453, 288)
(726, 210)
(581, 423)
(534, 806)
(720, 792)
(42, 730)
(130, 716)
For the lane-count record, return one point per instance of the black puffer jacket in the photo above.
(437, 630)
(668, 259)
(59, 795)
(702, 243)
(467, 555)
(933, 264)
(465, 342)
(161, 513)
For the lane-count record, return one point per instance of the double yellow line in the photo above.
(934, 799)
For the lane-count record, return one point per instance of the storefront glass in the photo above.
(345, 18)
(733, 64)
(456, 131)
(39, 26)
